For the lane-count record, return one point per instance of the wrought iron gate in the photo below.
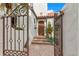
(16, 32)
(58, 34)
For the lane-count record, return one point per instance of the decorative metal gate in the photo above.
(58, 34)
(16, 32)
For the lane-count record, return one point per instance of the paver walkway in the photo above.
(40, 47)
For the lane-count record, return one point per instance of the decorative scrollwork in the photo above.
(23, 11)
(20, 10)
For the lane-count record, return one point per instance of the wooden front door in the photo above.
(41, 28)
(58, 46)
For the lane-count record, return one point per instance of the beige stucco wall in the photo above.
(70, 29)
(78, 32)
(32, 24)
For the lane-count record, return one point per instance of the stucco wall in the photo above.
(70, 25)
(78, 32)
(40, 8)
(32, 30)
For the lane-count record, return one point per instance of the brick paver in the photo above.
(41, 49)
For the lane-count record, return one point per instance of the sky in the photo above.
(55, 6)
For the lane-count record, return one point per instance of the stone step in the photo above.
(40, 42)
(44, 40)
(40, 37)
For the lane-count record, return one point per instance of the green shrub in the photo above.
(51, 40)
(49, 28)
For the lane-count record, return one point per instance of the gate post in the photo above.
(27, 30)
(58, 34)
(3, 34)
